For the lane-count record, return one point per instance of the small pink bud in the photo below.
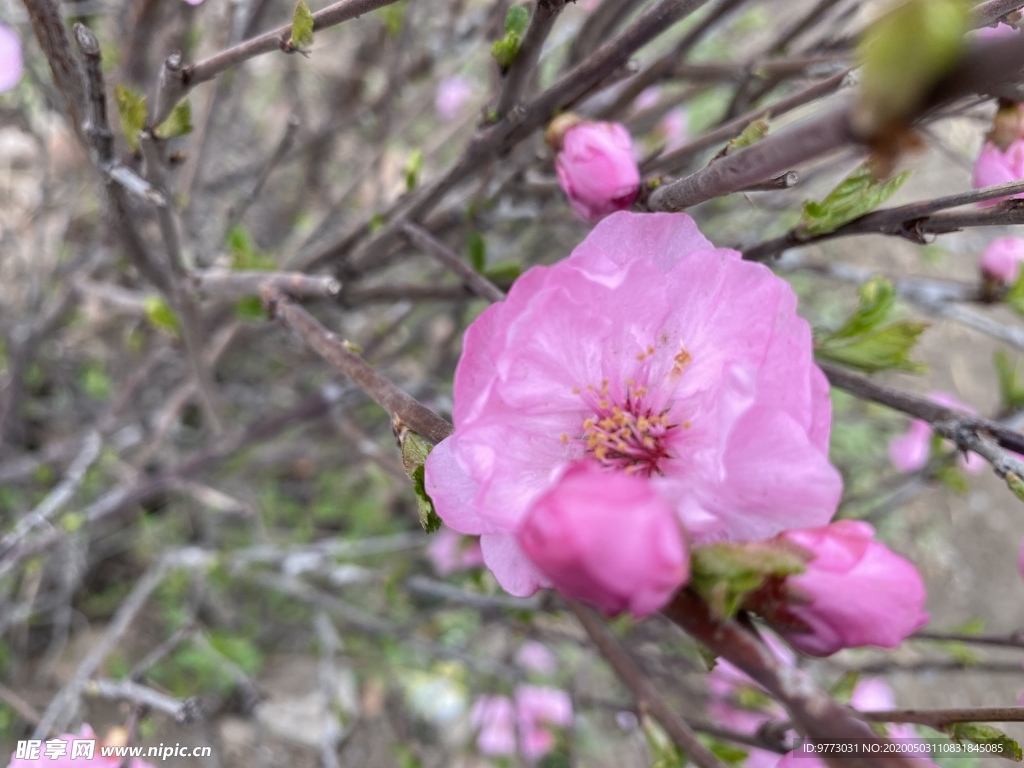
(608, 539)
(910, 451)
(1001, 259)
(10, 58)
(998, 166)
(452, 94)
(855, 591)
(597, 169)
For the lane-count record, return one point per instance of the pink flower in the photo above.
(650, 353)
(998, 31)
(535, 657)
(854, 592)
(597, 170)
(911, 450)
(452, 94)
(10, 58)
(996, 166)
(1001, 259)
(64, 754)
(535, 713)
(539, 711)
(673, 128)
(449, 552)
(575, 536)
(495, 717)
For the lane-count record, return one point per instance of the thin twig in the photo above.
(479, 284)
(646, 695)
(937, 718)
(541, 23)
(229, 284)
(183, 711)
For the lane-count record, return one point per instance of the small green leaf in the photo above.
(842, 689)
(95, 382)
(415, 450)
(857, 194)
(755, 131)
(250, 308)
(72, 521)
(904, 54)
(1015, 296)
(302, 27)
(864, 343)
(953, 478)
(244, 254)
(983, 733)
(724, 751)
(477, 250)
(1015, 484)
(161, 316)
(179, 123)
(503, 272)
(725, 573)
(971, 627)
(664, 753)
(393, 17)
(887, 349)
(413, 168)
(131, 106)
(1011, 389)
(506, 49)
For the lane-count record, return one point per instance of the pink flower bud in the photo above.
(997, 166)
(10, 58)
(452, 94)
(538, 711)
(608, 539)
(855, 591)
(1001, 259)
(495, 717)
(449, 552)
(597, 170)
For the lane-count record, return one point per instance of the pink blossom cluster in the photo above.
(649, 394)
(527, 723)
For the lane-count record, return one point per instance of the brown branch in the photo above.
(227, 284)
(472, 279)
(937, 718)
(644, 693)
(910, 221)
(399, 404)
(181, 82)
(815, 713)
(1013, 640)
(541, 23)
(52, 34)
(980, 68)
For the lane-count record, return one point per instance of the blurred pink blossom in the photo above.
(996, 166)
(452, 94)
(855, 591)
(451, 552)
(1002, 258)
(535, 657)
(998, 31)
(534, 716)
(673, 128)
(911, 450)
(10, 58)
(572, 534)
(60, 753)
(649, 353)
(597, 170)
(647, 98)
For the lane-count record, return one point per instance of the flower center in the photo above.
(628, 435)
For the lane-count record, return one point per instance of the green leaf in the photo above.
(725, 573)
(506, 49)
(393, 17)
(953, 478)
(755, 131)
(983, 733)
(1011, 390)
(904, 54)
(887, 349)
(131, 106)
(857, 194)
(1015, 296)
(504, 271)
(1015, 484)
(302, 27)
(179, 123)
(842, 689)
(415, 450)
(250, 308)
(95, 381)
(664, 753)
(161, 316)
(477, 250)
(723, 750)
(413, 168)
(864, 343)
(244, 254)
